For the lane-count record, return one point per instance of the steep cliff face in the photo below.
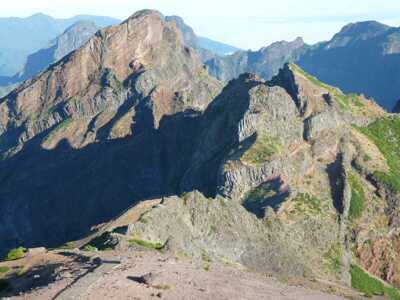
(91, 129)
(144, 56)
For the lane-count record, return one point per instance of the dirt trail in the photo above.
(79, 287)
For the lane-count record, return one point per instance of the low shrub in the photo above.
(16, 253)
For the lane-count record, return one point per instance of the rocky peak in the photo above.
(188, 34)
(313, 96)
(145, 13)
(124, 106)
(145, 57)
(285, 45)
(354, 32)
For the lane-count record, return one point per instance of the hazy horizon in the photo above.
(252, 25)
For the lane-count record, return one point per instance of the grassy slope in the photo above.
(363, 282)
(385, 133)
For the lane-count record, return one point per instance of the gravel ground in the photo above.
(155, 275)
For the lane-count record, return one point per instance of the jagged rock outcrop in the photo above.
(254, 154)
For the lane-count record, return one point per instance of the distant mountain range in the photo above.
(351, 60)
(73, 38)
(35, 42)
(207, 48)
(21, 37)
(362, 58)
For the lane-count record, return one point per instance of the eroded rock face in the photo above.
(94, 130)
(219, 229)
(277, 156)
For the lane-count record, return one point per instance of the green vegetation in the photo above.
(334, 258)
(258, 194)
(21, 271)
(16, 253)
(213, 229)
(262, 150)
(355, 99)
(385, 133)
(89, 248)
(267, 194)
(185, 197)
(391, 180)
(206, 261)
(146, 244)
(104, 242)
(67, 246)
(143, 220)
(357, 203)
(4, 269)
(307, 203)
(311, 78)
(59, 127)
(366, 157)
(363, 282)
(161, 287)
(51, 109)
(346, 102)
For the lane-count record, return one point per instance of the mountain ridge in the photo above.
(349, 60)
(290, 176)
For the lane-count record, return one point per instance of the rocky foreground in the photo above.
(145, 274)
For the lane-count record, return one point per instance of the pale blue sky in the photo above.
(243, 23)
